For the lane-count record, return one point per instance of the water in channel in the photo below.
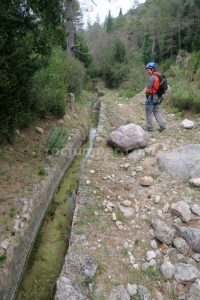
(47, 256)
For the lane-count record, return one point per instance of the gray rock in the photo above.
(168, 270)
(136, 154)
(127, 211)
(153, 149)
(131, 289)
(78, 263)
(158, 295)
(184, 162)
(119, 293)
(144, 292)
(195, 208)
(68, 290)
(128, 137)
(151, 255)
(191, 235)
(181, 245)
(163, 232)
(196, 257)
(154, 244)
(194, 292)
(39, 130)
(186, 272)
(195, 182)
(181, 209)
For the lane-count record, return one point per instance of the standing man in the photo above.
(153, 101)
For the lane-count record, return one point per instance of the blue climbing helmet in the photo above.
(151, 65)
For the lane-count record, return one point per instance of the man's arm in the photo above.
(151, 81)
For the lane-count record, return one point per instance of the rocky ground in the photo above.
(136, 231)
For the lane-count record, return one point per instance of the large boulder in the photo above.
(128, 137)
(184, 162)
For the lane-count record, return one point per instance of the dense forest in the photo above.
(45, 53)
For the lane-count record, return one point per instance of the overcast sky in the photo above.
(102, 7)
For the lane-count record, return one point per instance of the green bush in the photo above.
(115, 74)
(51, 84)
(186, 97)
(56, 140)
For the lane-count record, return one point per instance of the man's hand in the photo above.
(147, 95)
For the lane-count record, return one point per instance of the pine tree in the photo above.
(146, 49)
(109, 23)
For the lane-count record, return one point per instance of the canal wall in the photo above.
(28, 222)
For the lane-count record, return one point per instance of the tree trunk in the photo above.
(70, 27)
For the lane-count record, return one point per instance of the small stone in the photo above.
(196, 257)
(39, 130)
(166, 208)
(137, 208)
(133, 174)
(195, 182)
(154, 244)
(114, 217)
(5, 244)
(152, 263)
(182, 210)
(146, 181)
(167, 270)
(126, 245)
(131, 289)
(87, 182)
(145, 266)
(61, 122)
(119, 293)
(138, 169)
(195, 208)
(157, 199)
(126, 203)
(92, 171)
(187, 124)
(150, 255)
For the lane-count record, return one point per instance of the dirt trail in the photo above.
(112, 177)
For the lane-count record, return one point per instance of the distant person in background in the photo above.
(153, 101)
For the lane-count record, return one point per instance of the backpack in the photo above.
(163, 84)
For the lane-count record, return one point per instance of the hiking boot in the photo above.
(148, 129)
(161, 128)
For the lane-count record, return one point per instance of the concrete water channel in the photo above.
(50, 247)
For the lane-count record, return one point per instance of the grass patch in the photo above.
(56, 140)
(41, 171)
(12, 212)
(153, 273)
(80, 231)
(124, 251)
(2, 259)
(121, 217)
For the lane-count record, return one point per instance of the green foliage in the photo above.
(56, 140)
(119, 52)
(115, 69)
(116, 74)
(109, 23)
(82, 51)
(51, 84)
(146, 55)
(2, 259)
(25, 38)
(41, 171)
